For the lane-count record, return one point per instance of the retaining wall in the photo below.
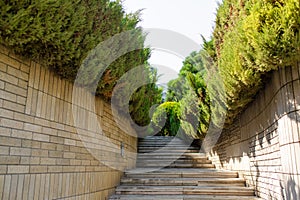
(42, 154)
(263, 143)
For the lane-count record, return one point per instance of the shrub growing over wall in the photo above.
(61, 33)
(250, 39)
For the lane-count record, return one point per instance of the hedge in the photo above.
(251, 38)
(61, 33)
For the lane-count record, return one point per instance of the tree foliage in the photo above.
(166, 118)
(60, 34)
(251, 38)
(190, 91)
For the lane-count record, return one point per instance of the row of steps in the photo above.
(166, 172)
(169, 152)
(180, 197)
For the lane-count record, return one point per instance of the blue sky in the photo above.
(191, 18)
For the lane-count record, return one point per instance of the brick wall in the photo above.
(263, 143)
(43, 154)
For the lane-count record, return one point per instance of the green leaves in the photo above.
(261, 37)
(189, 90)
(61, 33)
(167, 118)
(250, 39)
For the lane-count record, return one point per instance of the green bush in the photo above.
(253, 38)
(60, 34)
(167, 118)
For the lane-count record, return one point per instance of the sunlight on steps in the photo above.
(167, 168)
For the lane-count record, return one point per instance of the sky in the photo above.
(191, 18)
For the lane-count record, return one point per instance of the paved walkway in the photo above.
(169, 169)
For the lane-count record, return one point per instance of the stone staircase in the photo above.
(168, 169)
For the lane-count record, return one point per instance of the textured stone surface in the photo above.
(263, 144)
(164, 174)
(41, 154)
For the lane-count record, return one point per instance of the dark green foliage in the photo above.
(167, 118)
(192, 64)
(176, 89)
(141, 98)
(60, 34)
(190, 91)
(196, 102)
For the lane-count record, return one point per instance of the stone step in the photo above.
(185, 190)
(168, 150)
(167, 146)
(158, 153)
(191, 160)
(167, 168)
(175, 165)
(161, 142)
(178, 158)
(175, 141)
(179, 173)
(180, 197)
(170, 155)
(184, 181)
(175, 159)
(159, 163)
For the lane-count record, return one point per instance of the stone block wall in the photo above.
(44, 154)
(263, 144)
